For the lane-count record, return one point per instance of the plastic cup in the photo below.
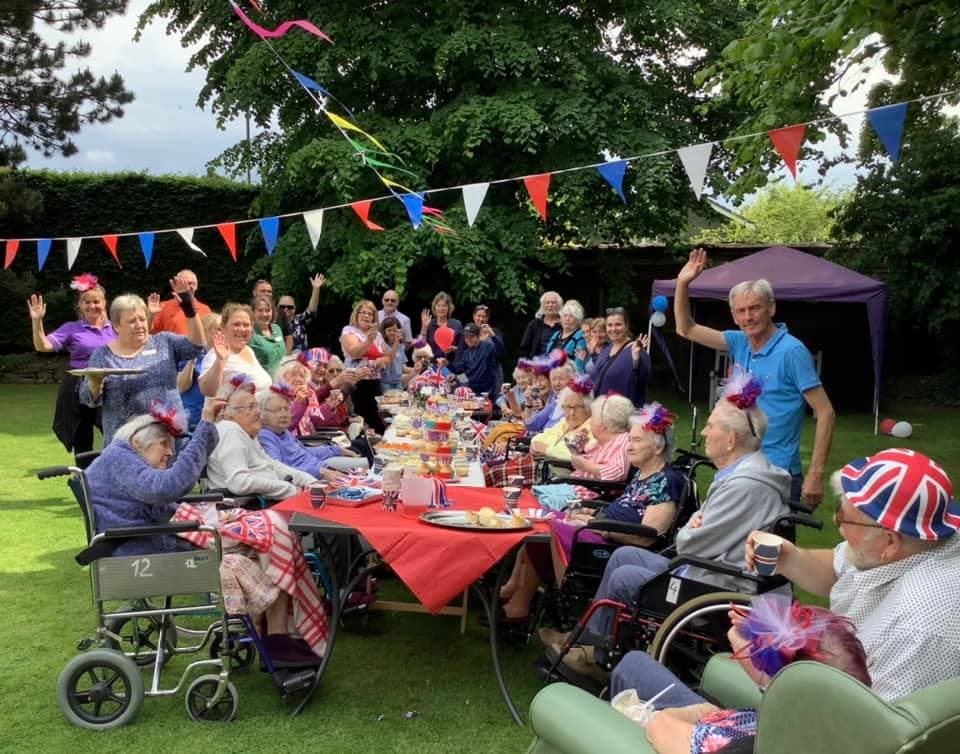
(392, 477)
(511, 497)
(766, 548)
(516, 481)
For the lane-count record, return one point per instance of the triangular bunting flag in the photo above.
(229, 233)
(187, 235)
(473, 196)
(363, 212)
(537, 187)
(888, 123)
(43, 251)
(111, 243)
(314, 223)
(414, 205)
(787, 142)
(73, 249)
(270, 227)
(10, 253)
(612, 173)
(146, 246)
(695, 160)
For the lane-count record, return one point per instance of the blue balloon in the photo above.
(660, 303)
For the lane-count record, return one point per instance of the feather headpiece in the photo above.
(84, 282)
(776, 630)
(545, 363)
(743, 389)
(173, 418)
(241, 381)
(654, 417)
(284, 390)
(581, 384)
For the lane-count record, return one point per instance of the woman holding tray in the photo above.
(73, 422)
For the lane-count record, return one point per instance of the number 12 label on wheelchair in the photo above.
(168, 573)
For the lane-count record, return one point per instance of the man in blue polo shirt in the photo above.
(782, 363)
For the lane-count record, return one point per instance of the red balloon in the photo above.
(886, 426)
(444, 337)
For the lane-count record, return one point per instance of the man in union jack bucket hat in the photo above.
(896, 574)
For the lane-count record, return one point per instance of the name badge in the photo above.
(150, 352)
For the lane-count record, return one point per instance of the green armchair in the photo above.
(809, 708)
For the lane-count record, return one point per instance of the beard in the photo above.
(860, 559)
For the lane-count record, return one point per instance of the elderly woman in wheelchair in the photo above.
(132, 484)
(747, 493)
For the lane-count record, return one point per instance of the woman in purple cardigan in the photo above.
(623, 365)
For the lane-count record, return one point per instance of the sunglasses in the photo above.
(615, 310)
(285, 306)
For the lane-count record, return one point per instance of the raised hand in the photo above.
(153, 304)
(179, 286)
(212, 408)
(696, 264)
(37, 308)
(219, 345)
(317, 281)
(425, 318)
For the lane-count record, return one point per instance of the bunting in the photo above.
(314, 223)
(12, 246)
(537, 187)
(73, 250)
(612, 173)
(787, 142)
(473, 196)
(363, 212)
(695, 160)
(414, 206)
(270, 228)
(281, 30)
(43, 251)
(228, 232)
(110, 241)
(887, 122)
(187, 235)
(146, 246)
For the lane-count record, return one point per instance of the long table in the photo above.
(436, 564)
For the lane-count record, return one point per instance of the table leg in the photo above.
(488, 602)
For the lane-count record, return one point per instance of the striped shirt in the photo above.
(612, 458)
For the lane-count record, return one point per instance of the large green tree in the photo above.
(465, 91)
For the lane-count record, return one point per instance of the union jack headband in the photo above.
(172, 418)
(904, 491)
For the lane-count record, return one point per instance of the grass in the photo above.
(393, 664)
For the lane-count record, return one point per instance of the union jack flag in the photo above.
(904, 491)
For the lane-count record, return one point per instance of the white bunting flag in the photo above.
(187, 235)
(73, 249)
(695, 160)
(314, 221)
(473, 196)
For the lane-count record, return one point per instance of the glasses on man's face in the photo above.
(287, 307)
(839, 520)
(391, 301)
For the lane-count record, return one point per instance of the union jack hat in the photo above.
(904, 491)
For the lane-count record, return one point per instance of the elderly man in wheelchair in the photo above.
(747, 493)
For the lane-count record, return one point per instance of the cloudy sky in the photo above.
(163, 131)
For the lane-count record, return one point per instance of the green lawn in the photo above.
(393, 664)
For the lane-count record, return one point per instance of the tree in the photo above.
(781, 214)
(465, 91)
(37, 107)
(795, 52)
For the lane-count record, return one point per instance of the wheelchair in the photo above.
(137, 629)
(678, 617)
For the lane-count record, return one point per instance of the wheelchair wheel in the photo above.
(139, 637)
(199, 694)
(100, 689)
(244, 652)
(693, 633)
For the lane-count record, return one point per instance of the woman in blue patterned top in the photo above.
(570, 337)
(129, 395)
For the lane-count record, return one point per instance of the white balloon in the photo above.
(902, 430)
(658, 319)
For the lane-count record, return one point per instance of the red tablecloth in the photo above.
(435, 563)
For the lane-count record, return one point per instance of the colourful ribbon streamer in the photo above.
(282, 29)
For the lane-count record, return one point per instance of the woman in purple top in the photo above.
(623, 365)
(124, 396)
(73, 422)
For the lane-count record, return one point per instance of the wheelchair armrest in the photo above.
(127, 532)
(53, 471)
(203, 497)
(801, 519)
(87, 455)
(558, 463)
(797, 507)
(714, 566)
(623, 527)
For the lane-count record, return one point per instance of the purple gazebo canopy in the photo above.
(796, 276)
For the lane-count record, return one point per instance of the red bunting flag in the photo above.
(229, 233)
(787, 142)
(537, 187)
(111, 243)
(363, 212)
(10, 253)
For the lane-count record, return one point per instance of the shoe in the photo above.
(502, 619)
(549, 637)
(590, 679)
(580, 660)
(285, 652)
